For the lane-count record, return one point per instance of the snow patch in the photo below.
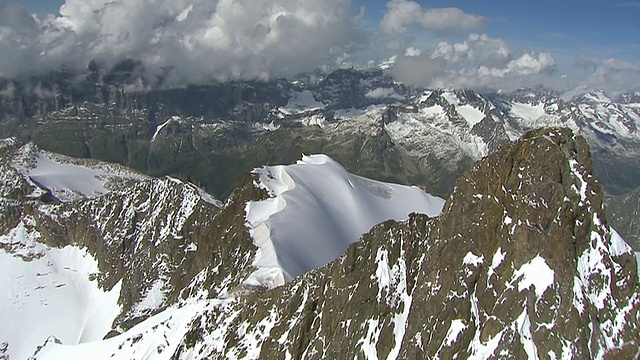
(157, 337)
(527, 112)
(152, 299)
(383, 273)
(457, 326)
(497, 259)
(575, 169)
(618, 246)
(471, 259)
(470, 114)
(369, 343)
(66, 180)
(523, 327)
(535, 273)
(162, 126)
(60, 178)
(466, 111)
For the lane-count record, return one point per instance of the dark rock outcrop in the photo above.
(521, 264)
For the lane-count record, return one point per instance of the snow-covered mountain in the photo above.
(105, 247)
(316, 209)
(521, 262)
(87, 247)
(372, 125)
(428, 137)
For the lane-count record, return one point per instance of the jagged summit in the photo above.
(521, 263)
(545, 252)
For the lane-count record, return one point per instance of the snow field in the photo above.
(317, 210)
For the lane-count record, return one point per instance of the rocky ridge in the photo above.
(149, 237)
(522, 263)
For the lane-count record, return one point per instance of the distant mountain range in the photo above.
(372, 125)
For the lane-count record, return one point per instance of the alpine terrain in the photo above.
(519, 262)
(371, 124)
(335, 179)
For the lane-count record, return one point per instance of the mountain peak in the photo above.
(521, 263)
(596, 96)
(333, 209)
(544, 251)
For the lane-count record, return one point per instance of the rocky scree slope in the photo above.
(522, 263)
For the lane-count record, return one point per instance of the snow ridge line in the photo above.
(276, 181)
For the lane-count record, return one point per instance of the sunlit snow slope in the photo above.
(70, 179)
(51, 295)
(316, 210)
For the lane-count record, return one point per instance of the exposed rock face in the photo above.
(527, 261)
(153, 235)
(521, 264)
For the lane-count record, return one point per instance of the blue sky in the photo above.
(604, 28)
(590, 28)
(589, 42)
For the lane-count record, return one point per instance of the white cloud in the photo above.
(527, 64)
(192, 41)
(411, 51)
(403, 13)
(612, 75)
(380, 93)
(477, 47)
(482, 62)
(478, 62)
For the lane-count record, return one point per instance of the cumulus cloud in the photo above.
(411, 51)
(401, 14)
(527, 64)
(184, 41)
(477, 47)
(478, 62)
(484, 63)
